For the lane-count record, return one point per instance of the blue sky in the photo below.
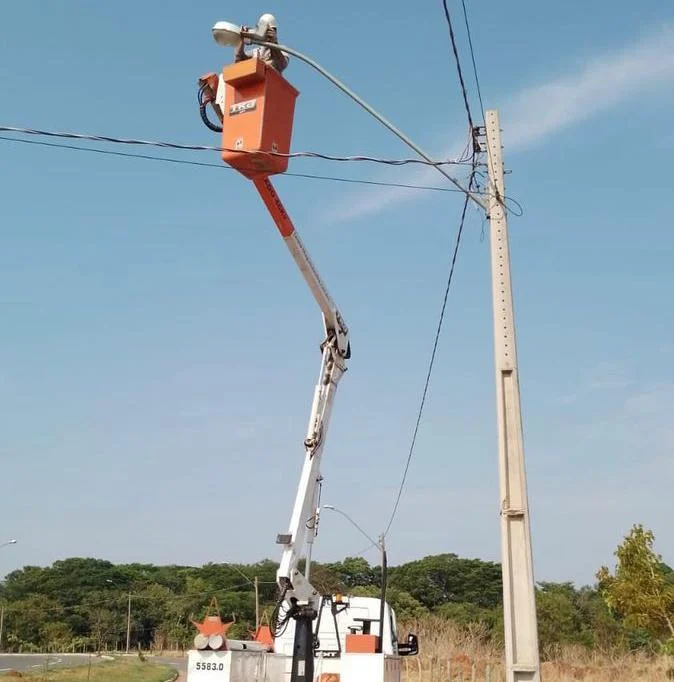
(159, 349)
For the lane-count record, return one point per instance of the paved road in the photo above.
(28, 662)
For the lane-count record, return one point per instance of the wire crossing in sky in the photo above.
(201, 147)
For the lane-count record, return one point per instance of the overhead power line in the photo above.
(222, 166)
(458, 64)
(473, 161)
(431, 363)
(477, 84)
(201, 147)
(189, 162)
(472, 57)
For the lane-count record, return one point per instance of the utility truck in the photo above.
(312, 637)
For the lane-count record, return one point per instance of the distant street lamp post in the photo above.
(382, 548)
(128, 617)
(2, 607)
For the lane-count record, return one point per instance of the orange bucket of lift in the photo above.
(257, 118)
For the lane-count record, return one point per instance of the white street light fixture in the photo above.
(227, 34)
(128, 615)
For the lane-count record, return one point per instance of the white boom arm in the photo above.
(335, 351)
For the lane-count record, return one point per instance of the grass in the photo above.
(449, 654)
(119, 670)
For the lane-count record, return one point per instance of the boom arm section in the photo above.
(334, 324)
(335, 351)
(302, 521)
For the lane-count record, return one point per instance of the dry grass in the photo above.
(449, 654)
(120, 670)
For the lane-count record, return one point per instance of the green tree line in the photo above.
(83, 604)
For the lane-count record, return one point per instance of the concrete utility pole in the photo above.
(519, 603)
(2, 623)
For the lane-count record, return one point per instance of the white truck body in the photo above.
(251, 666)
(333, 661)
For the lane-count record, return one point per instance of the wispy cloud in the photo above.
(604, 377)
(535, 113)
(602, 83)
(636, 428)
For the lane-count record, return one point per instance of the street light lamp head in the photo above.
(227, 34)
(11, 542)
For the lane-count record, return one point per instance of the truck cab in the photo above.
(351, 625)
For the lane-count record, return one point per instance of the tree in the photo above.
(599, 623)
(446, 578)
(355, 571)
(81, 603)
(56, 636)
(639, 591)
(149, 610)
(324, 578)
(106, 623)
(467, 614)
(24, 619)
(560, 620)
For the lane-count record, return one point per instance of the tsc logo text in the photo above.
(241, 107)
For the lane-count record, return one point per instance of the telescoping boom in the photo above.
(336, 350)
(312, 637)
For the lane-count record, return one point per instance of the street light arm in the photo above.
(384, 566)
(335, 81)
(353, 523)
